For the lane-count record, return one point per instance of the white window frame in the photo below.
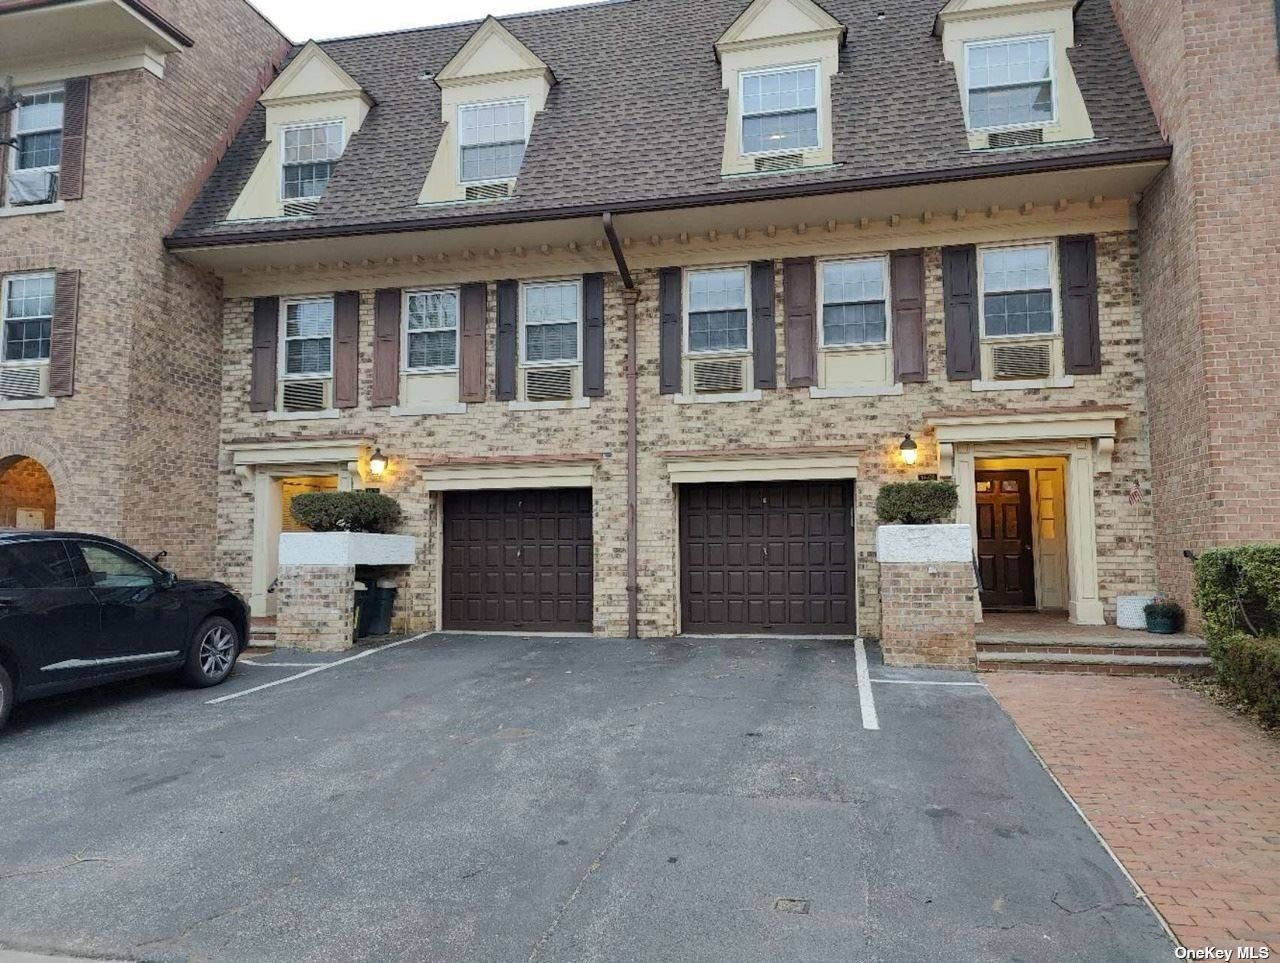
(405, 332)
(342, 142)
(4, 320)
(524, 323)
(972, 45)
(18, 131)
(1055, 297)
(282, 361)
(888, 304)
(742, 106)
(504, 102)
(719, 352)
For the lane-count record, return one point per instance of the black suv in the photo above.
(80, 610)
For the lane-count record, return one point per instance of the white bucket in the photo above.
(1129, 611)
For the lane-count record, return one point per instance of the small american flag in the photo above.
(1134, 494)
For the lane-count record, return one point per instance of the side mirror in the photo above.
(168, 580)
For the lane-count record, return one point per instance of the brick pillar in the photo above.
(315, 607)
(926, 595)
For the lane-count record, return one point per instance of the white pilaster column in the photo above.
(1085, 606)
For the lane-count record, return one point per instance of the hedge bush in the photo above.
(916, 503)
(1238, 595)
(360, 511)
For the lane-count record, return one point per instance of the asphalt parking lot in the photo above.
(468, 798)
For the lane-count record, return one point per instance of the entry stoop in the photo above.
(262, 633)
(1047, 643)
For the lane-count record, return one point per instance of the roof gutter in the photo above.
(142, 9)
(720, 198)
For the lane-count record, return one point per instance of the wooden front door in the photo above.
(1004, 539)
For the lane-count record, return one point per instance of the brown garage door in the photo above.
(518, 560)
(767, 558)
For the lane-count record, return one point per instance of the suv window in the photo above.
(36, 565)
(111, 568)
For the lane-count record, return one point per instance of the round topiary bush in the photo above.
(916, 503)
(347, 512)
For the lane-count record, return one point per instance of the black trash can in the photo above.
(381, 604)
(366, 606)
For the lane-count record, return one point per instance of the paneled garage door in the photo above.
(518, 560)
(767, 558)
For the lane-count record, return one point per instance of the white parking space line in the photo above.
(869, 718)
(275, 665)
(315, 669)
(977, 685)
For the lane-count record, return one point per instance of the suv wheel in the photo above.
(6, 696)
(213, 653)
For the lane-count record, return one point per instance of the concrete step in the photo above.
(1180, 647)
(1115, 663)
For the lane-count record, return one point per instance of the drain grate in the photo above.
(788, 905)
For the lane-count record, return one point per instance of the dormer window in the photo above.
(780, 110)
(37, 154)
(308, 157)
(1010, 83)
(491, 140)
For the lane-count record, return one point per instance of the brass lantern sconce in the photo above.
(909, 450)
(378, 465)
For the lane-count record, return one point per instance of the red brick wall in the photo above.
(1210, 236)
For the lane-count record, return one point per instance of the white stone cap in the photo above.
(923, 544)
(338, 549)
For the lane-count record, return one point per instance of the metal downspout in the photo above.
(630, 296)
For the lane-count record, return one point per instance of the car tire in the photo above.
(7, 696)
(213, 653)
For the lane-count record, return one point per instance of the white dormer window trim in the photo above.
(480, 105)
(969, 89)
(284, 165)
(744, 114)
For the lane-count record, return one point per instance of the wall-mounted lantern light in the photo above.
(377, 464)
(909, 450)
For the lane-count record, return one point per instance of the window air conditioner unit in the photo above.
(1019, 362)
(22, 382)
(305, 396)
(1016, 138)
(719, 376)
(548, 384)
(301, 208)
(28, 188)
(779, 162)
(488, 192)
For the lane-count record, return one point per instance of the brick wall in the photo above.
(928, 614)
(1210, 234)
(784, 418)
(133, 452)
(316, 610)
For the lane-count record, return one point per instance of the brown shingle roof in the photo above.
(636, 120)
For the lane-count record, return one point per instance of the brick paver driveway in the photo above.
(506, 800)
(1186, 794)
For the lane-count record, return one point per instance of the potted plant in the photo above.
(1164, 615)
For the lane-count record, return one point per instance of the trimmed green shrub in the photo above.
(360, 511)
(916, 503)
(1251, 669)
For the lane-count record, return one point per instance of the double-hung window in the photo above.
(37, 151)
(552, 316)
(431, 331)
(1017, 291)
(719, 320)
(780, 110)
(308, 156)
(854, 309)
(28, 317)
(491, 140)
(1010, 83)
(308, 337)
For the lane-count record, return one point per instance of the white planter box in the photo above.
(923, 544)
(346, 549)
(1129, 611)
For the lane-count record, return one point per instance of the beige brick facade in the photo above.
(315, 607)
(786, 418)
(928, 615)
(133, 452)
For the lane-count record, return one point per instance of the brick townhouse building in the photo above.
(642, 302)
(109, 362)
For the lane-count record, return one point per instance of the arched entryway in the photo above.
(27, 495)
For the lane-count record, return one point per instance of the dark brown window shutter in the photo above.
(386, 347)
(471, 357)
(75, 123)
(1082, 341)
(593, 335)
(960, 298)
(671, 330)
(764, 330)
(346, 349)
(4, 160)
(906, 269)
(800, 294)
(266, 333)
(62, 347)
(504, 388)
